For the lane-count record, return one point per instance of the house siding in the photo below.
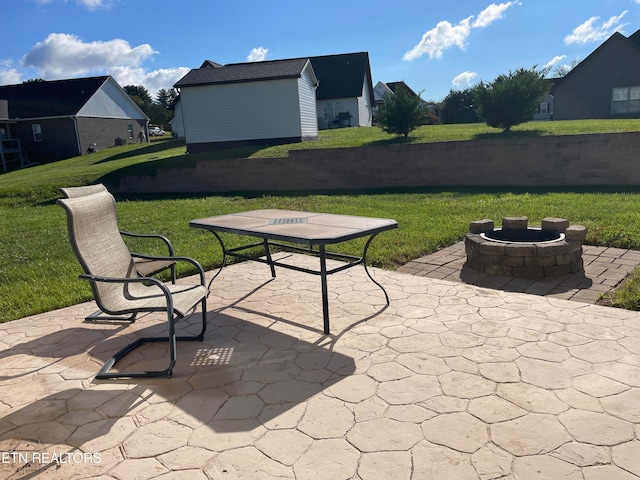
(107, 132)
(307, 99)
(177, 124)
(59, 140)
(241, 111)
(586, 91)
(110, 101)
(365, 103)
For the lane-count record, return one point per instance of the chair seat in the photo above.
(150, 298)
(146, 267)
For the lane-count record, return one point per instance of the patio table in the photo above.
(310, 229)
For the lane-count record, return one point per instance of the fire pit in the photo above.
(517, 250)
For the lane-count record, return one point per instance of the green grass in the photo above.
(38, 271)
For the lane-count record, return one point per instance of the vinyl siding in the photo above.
(364, 106)
(110, 101)
(585, 92)
(308, 112)
(241, 111)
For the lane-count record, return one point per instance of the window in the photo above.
(37, 132)
(331, 110)
(544, 108)
(625, 100)
(130, 130)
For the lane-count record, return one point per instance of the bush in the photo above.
(402, 112)
(511, 99)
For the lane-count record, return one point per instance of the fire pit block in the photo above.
(554, 248)
(515, 222)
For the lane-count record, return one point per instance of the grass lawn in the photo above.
(38, 271)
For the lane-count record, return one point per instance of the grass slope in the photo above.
(38, 271)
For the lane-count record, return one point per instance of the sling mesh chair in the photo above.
(117, 287)
(145, 265)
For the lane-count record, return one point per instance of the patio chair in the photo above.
(144, 264)
(118, 288)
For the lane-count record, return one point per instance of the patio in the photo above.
(451, 381)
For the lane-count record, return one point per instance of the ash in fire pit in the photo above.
(518, 250)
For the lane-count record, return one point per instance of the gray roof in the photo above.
(244, 72)
(339, 76)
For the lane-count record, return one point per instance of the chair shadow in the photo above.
(242, 376)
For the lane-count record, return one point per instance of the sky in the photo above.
(434, 47)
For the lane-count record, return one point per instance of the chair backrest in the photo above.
(97, 243)
(72, 192)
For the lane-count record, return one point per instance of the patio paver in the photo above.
(451, 381)
(604, 269)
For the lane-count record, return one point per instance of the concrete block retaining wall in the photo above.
(572, 160)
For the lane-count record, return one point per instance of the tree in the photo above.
(511, 99)
(165, 98)
(459, 107)
(140, 95)
(562, 70)
(158, 111)
(402, 112)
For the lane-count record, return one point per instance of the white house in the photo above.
(258, 103)
(345, 95)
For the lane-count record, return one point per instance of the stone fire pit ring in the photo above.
(517, 250)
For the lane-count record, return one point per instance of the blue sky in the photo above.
(432, 46)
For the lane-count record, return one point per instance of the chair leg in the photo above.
(171, 338)
(99, 316)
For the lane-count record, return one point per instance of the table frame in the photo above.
(268, 241)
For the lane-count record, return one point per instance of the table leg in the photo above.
(224, 259)
(269, 259)
(325, 294)
(364, 262)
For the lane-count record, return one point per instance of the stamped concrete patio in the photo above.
(451, 381)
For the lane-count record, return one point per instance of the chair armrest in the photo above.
(177, 259)
(164, 239)
(165, 291)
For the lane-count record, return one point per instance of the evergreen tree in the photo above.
(402, 112)
(511, 99)
(459, 107)
(165, 98)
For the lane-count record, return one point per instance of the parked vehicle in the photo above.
(156, 132)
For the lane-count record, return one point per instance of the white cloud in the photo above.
(439, 39)
(63, 55)
(492, 13)
(88, 4)
(445, 35)
(465, 79)
(151, 80)
(257, 54)
(556, 59)
(9, 76)
(590, 31)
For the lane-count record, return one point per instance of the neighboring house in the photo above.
(345, 87)
(606, 84)
(177, 122)
(381, 89)
(64, 118)
(545, 109)
(258, 103)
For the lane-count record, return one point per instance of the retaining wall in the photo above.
(573, 160)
